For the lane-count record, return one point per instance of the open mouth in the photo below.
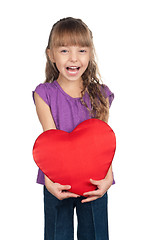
(72, 70)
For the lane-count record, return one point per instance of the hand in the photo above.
(58, 190)
(102, 187)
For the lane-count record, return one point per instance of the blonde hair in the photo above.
(74, 32)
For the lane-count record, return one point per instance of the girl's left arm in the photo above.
(102, 186)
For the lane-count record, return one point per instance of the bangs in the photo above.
(71, 34)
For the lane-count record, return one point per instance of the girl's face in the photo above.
(71, 61)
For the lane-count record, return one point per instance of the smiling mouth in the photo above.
(72, 70)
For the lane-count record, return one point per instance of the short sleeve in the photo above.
(107, 93)
(42, 91)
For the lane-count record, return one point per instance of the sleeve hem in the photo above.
(40, 97)
(41, 90)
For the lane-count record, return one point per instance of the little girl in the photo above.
(72, 93)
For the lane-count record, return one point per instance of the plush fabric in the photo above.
(72, 158)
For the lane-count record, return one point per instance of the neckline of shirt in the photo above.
(66, 94)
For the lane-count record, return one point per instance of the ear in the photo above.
(50, 55)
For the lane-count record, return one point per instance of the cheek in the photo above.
(87, 59)
(59, 64)
(86, 62)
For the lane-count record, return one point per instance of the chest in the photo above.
(67, 113)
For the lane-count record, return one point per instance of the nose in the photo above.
(73, 56)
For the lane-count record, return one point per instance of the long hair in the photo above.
(72, 31)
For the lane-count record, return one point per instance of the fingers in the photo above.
(63, 192)
(69, 195)
(91, 196)
(94, 193)
(89, 199)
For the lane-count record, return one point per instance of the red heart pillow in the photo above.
(73, 158)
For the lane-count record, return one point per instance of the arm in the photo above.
(47, 122)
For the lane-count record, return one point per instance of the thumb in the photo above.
(94, 182)
(65, 187)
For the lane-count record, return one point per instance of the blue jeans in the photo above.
(92, 218)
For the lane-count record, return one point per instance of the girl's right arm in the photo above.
(47, 122)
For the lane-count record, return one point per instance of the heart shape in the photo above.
(73, 158)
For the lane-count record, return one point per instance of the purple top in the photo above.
(67, 111)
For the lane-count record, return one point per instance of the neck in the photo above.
(71, 87)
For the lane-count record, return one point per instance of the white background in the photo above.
(126, 40)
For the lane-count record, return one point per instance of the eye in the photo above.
(64, 51)
(82, 51)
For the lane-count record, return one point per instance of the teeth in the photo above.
(73, 67)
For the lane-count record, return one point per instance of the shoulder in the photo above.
(46, 91)
(45, 86)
